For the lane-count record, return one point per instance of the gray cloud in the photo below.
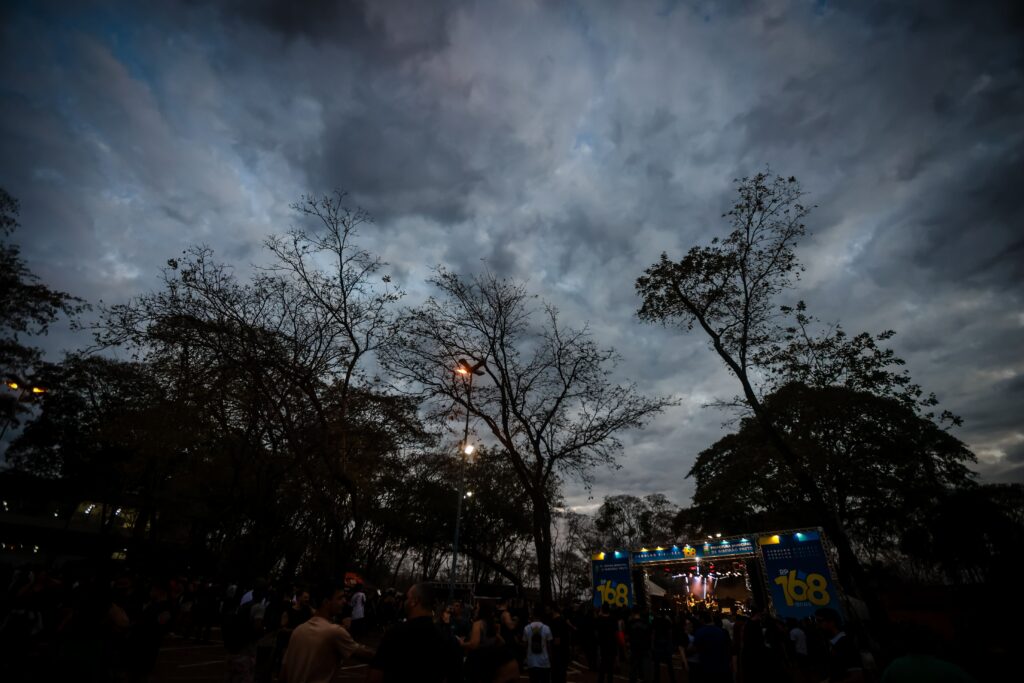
(567, 144)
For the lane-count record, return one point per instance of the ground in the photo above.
(184, 661)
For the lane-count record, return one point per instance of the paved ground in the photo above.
(183, 661)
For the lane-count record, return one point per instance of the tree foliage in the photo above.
(818, 355)
(834, 432)
(972, 535)
(544, 395)
(625, 521)
(278, 362)
(27, 308)
(877, 462)
(729, 290)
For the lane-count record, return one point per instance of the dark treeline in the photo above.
(302, 420)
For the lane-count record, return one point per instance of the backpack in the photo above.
(536, 643)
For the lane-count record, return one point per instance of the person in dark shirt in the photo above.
(494, 663)
(149, 629)
(606, 628)
(462, 626)
(561, 645)
(416, 650)
(663, 645)
(843, 656)
(638, 635)
(713, 649)
(300, 611)
(509, 624)
(584, 634)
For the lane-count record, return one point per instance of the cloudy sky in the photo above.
(565, 143)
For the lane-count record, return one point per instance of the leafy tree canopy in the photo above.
(27, 307)
(625, 521)
(877, 462)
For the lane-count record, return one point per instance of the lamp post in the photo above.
(467, 371)
(24, 391)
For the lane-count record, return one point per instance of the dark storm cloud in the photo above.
(1015, 454)
(567, 144)
(414, 27)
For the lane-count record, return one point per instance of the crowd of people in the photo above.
(87, 627)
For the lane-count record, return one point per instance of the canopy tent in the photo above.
(653, 589)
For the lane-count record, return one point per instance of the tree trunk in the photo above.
(398, 566)
(542, 544)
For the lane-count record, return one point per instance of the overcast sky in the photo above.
(565, 143)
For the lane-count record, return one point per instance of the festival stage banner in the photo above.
(798, 575)
(729, 548)
(612, 581)
(711, 549)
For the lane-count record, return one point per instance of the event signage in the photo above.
(612, 582)
(798, 575)
(730, 547)
(673, 553)
(727, 548)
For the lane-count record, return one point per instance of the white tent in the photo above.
(653, 589)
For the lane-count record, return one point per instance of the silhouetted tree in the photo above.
(420, 514)
(729, 290)
(27, 308)
(876, 462)
(972, 534)
(544, 395)
(626, 521)
(280, 359)
(573, 541)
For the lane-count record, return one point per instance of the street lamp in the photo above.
(24, 390)
(468, 371)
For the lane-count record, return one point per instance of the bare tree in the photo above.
(575, 538)
(544, 396)
(287, 350)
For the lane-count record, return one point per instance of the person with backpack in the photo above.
(537, 636)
